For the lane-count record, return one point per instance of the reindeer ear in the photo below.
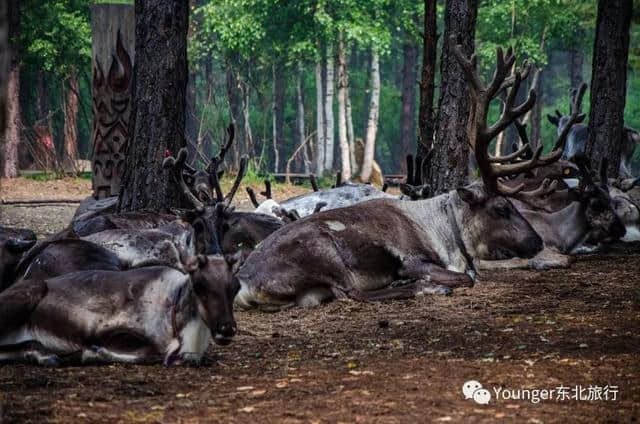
(470, 196)
(19, 246)
(553, 119)
(407, 190)
(194, 263)
(190, 264)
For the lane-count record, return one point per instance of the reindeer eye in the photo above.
(503, 211)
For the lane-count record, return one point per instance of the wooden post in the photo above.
(113, 49)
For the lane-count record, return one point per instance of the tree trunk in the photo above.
(248, 133)
(9, 167)
(157, 120)
(350, 135)
(328, 111)
(113, 55)
(234, 96)
(608, 83)
(537, 114)
(192, 122)
(512, 139)
(372, 122)
(279, 91)
(300, 117)
(449, 168)
(408, 116)
(320, 121)
(4, 68)
(427, 84)
(576, 59)
(343, 83)
(71, 123)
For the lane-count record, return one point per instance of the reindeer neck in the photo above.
(434, 216)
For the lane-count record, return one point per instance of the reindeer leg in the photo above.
(418, 268)
(400, 289)
(31, 351)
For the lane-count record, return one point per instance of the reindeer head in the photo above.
(210, 206)
(493, 226)
(215, 287)
(604, 221)
(13, 243)
(560, 120)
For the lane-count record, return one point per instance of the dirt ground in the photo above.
(393, 362)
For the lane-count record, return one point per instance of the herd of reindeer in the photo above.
(157, 286)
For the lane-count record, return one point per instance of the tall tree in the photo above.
(300, 117)
(609, 83)
(13, 120)
(372, 122)
(158, 118)
(427, 83)
(343, 135)
(4, 67)
(408, 114)
(328, 110)
(279, 91)
(449, 164)
(71, 121)
(320, 121)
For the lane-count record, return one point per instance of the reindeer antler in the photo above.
(244, 160)
(215, 162)
(480, 134)
(177, 166)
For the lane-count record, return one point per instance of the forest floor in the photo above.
(401, 361)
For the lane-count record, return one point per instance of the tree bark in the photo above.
(157, 120)
(300, 117)
(71, 122)
(320, 121)
(372, 122)
(427, 84)
(576, 59)
(192, 122)
(248, 133)
(608, 83)
(9, 167)
(328, 111)
(279, 91)
(343, 84)
(4, 68)
(350, 135)
(449, 168)
(234, 96)
(408, 116)
(537, 114)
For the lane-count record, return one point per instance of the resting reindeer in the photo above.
(13, 244)
(577, 138)
(388, 248)
(151, 314)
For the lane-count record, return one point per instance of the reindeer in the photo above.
(577, 138)
(13, 244)
(145, 315)
(390, 249)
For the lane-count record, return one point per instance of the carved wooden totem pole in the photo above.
(113, 30)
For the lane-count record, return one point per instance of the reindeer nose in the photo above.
(227, 329)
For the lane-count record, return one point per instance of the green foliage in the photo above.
(55, 35)
(531, 26)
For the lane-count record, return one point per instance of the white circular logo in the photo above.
(472, 389)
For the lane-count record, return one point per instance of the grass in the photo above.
(49, 176)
